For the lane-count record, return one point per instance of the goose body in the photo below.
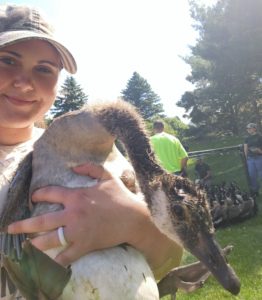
(178, 209)
(117, 273)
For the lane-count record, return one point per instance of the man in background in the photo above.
(168, 149)
(203, 172)
(253, 153)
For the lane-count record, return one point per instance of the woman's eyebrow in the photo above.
(11, 52)
(43, 61)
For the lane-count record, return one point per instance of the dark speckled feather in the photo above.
(13, 211)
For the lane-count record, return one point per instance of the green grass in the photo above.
(246, 237)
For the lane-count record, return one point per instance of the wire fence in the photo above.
(229, 192)
(227, 164)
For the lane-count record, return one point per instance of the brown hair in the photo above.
(159, 125)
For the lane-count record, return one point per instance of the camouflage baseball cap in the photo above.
(19, 23)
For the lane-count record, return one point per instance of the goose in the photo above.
(228, 204)
(177, 207)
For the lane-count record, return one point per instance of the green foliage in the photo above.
(177, 126)
(139, 93)
(226, 65)
(71, 98)
(173, 126)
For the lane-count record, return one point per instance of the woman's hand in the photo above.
(93, 218)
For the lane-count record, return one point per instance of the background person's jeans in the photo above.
(254, 165)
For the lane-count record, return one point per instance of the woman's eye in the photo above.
(7, 60)
(44, 69)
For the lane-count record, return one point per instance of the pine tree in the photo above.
(226, 67)
(139, 93)
(71, 97)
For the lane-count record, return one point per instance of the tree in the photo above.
(71, 97)
(226, 65)
(139, 93)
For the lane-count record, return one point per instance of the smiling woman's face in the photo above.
(29, 72)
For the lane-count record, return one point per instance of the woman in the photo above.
(30, 64)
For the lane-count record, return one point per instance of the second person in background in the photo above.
(170, 152)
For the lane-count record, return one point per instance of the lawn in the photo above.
(246, 237)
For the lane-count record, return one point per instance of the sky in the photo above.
(111, 39)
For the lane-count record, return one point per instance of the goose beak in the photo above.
(210, 254)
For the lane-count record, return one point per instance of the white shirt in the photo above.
(10, 157)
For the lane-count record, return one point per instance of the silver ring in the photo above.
(61, 236)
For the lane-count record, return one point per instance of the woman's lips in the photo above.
(19, 101)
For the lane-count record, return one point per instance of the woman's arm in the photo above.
(99, 217)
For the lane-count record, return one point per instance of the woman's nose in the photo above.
(24, 83)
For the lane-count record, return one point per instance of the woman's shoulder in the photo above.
(10, 156)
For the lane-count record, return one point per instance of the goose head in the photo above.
(190, 224)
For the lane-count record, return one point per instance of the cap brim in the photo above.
(251, 125)
(67, 59)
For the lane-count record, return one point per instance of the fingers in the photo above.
(41, 223)
(50, 240)
(57, 194)
(46, 240)
(53, 194)
(92, 170)
(69, 255)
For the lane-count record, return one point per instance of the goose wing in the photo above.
(23, 266)
(34, 273)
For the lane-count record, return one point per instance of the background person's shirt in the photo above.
(253, 141)
(169, 151)
(202, 170)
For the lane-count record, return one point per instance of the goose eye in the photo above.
(178, 210)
